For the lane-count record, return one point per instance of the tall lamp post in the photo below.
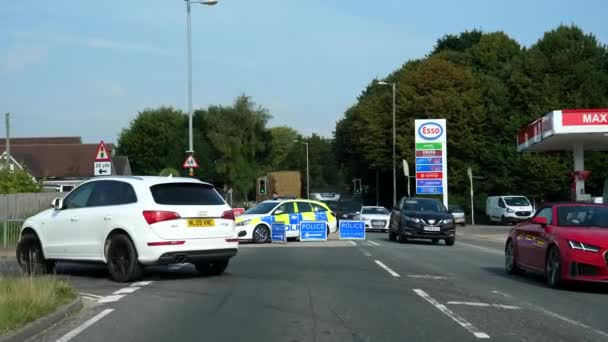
(393, 85)
(307, 169)
(189, 42)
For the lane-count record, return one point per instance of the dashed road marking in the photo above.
(126, 290)
(374, 243)
(454, 316)
(141, 283)
(426, 276)
(84, 294)
(557, 316)
(485, 305)
(352, 243)
(366, 253)
(110, 299)
(484, 249)
(387, 269)
(84, 325)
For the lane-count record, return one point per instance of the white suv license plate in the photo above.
(431, 229)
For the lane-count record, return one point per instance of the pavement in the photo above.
(373, 290)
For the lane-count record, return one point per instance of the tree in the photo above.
(17, 181)
(282, 142)
(154, 140)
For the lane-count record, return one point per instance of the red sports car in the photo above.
(565, 242)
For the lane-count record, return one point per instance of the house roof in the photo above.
(57, 160)
(42, 140)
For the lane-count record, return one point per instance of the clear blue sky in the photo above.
(87, 67)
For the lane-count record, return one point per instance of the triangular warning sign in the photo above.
(190, 162)
(102, 153)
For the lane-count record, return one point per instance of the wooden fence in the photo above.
(21, 206)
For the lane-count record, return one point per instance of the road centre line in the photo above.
(387, 269)
(484, 249)
(90, 295)
(110, 299)
(557, 316)
(454, 316)
(487, 305)
(426, 276)
(84, 326)
(374, 243)
(126, 290)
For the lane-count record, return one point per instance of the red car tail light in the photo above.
(155, 216)
(228, 215)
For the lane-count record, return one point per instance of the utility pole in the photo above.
(8, 141)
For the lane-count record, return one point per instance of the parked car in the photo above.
(565, 242)
(458, 213)
(375, 218)
(257, 221)
(423, 218)
(508, 209)
(128, 223)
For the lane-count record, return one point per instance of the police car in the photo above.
(257, 220)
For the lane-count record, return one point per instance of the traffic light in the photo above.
(262, 186)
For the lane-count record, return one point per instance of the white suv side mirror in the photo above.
(57, 203)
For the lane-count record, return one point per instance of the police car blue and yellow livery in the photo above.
(258, 220)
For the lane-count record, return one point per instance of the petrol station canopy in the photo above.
(563, 130)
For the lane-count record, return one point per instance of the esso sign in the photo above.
(430, 131)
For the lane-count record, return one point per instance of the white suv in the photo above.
(131, 222)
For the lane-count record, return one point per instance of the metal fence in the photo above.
(21, 206)
(9, 232)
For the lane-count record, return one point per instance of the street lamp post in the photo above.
(307, 169)
(189, 42)
(393, 85)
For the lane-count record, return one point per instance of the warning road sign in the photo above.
(190, 163)
(102, 154)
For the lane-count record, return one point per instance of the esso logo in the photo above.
(430, 131)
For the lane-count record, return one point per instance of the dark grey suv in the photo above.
(422, 218)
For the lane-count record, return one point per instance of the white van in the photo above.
(508, 209)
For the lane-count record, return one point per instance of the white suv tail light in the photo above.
(228, 215)
(155, 216)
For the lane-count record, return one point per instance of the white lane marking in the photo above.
(568, 320)
(454, 316)
(487, 305)
(484, 249)
(90, 298)
(141, 283)
(90, 295)
(374, 243)
(426, 276)
(84, 325)
(126, 290)
(558, 316)
(366, 253)
(391, 272)
(110, 299)
(352, 242)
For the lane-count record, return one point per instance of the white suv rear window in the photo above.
(185, 194)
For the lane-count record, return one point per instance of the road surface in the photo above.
(373, 290)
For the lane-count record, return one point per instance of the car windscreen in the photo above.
(423, 205)
(583, 216)
(456, 209)
(374, 211)
(517, 201)
(261, 208)
(185, 194)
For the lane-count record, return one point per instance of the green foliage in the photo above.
(169, 172)
(487, 87)
(17, 181)
(155, 139)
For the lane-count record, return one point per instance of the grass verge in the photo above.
(24, 299)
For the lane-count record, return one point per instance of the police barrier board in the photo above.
(277, 233)
(352, 230)
(313, 231)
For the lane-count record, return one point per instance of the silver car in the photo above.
(458, 214)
